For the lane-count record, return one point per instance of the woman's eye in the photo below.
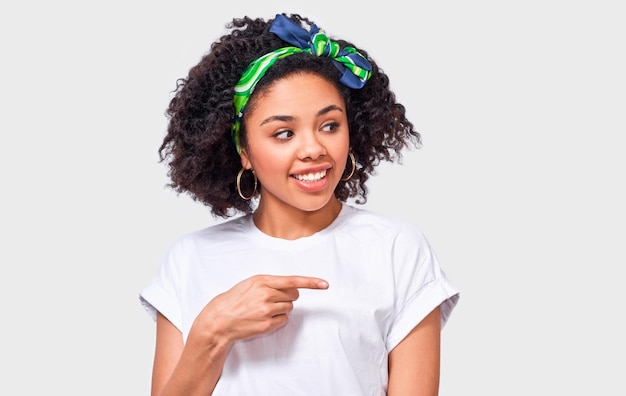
(330, 127)
(282, 135)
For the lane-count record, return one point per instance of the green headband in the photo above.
(355, 68)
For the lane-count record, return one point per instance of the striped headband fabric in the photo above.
(355, 68)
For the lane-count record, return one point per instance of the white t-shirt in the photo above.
(384, 279)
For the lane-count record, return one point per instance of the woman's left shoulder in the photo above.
(384, 224)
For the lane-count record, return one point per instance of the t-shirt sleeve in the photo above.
(162, 293)
(421, 285)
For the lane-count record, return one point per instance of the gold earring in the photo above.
(241, 171)
(353, 167)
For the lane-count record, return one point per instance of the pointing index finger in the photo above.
(296, 281)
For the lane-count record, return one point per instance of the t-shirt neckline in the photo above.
(265, 240)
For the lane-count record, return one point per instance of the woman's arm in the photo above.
(185, 370)
(414, 363)
(254, 306)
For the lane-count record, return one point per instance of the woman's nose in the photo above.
(311, 147)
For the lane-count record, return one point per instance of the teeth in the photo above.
(311, 177)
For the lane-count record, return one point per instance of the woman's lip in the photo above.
(314, 169)
(311, 186)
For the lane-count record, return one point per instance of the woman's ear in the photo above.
(245, 159)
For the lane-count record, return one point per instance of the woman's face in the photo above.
(298, 141)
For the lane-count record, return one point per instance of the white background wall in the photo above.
(519, 185)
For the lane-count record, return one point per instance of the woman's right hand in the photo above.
(254, 306)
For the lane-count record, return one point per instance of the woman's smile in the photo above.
(310, 177)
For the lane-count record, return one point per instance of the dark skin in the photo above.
(309, 136)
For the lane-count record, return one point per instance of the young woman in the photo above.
(297, 292)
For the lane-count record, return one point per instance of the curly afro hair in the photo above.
(201, 156)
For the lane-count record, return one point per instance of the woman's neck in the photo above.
(288, 222)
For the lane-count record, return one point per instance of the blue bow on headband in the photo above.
(356, 69)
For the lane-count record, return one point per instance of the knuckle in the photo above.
(280, 320)
(265, 295)
(265, 311)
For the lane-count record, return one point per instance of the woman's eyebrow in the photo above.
(323, 111)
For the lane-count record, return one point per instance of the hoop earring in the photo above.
(241, 171)
(353, 167)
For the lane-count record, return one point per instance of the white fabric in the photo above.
(383, 277)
